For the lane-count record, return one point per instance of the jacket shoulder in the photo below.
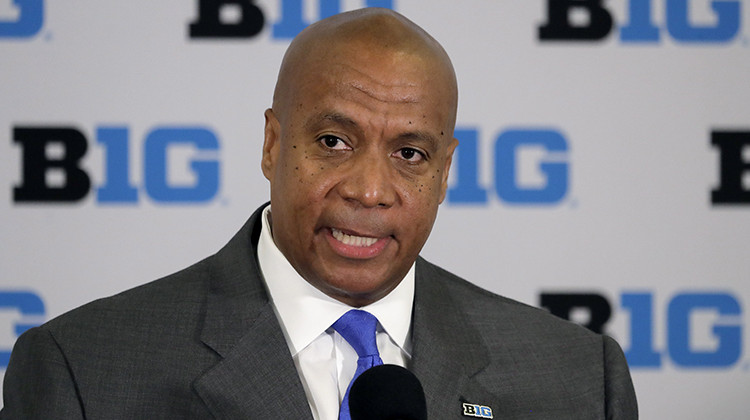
(178, 291)
(487, 308)
(537, 361)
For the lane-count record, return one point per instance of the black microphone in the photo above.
(387, 392)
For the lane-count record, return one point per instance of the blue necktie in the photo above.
(358, 329)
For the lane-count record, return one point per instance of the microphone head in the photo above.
(387, 392)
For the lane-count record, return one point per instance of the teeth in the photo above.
(352, 240)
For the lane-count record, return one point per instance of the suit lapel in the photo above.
(447, 351)
(255, 376)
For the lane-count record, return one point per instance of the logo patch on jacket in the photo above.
(476, 410)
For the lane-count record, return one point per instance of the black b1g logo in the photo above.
(734, 167)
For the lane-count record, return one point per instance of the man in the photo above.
(357, 148)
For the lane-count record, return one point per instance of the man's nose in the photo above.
(370, 182)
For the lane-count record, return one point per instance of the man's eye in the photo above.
(333, 142)
(409, 154)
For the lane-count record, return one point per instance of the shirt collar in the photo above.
(305, 312)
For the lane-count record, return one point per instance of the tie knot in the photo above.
(358, 329)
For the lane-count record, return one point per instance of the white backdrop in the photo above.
(586, 166)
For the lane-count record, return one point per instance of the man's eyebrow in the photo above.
(316, 120)
(421, 137)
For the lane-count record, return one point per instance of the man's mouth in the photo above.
(350, 245)
(352, 240)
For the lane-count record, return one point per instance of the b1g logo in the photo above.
(530, 167)
(582, 20)
(21, 18)
(476, 410)
(52, 172)
(734, 168)
(29, 306)
(690, 343)
(244, 19)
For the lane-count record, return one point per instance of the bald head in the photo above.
(369, 36)
(357, 149)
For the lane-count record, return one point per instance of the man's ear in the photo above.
(447, 168)
(271, 139)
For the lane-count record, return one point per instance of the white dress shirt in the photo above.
(324, 360)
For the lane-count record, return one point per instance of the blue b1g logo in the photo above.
(701, 330)
(249, 19)
(726, 331)
(598, 22)
(73, 183)
(31, 308)
(509, 161)
(24, 20)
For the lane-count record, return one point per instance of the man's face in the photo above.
(358, 159)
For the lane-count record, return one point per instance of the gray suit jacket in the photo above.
(205, 343)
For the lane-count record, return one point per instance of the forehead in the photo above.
(382, 86)
(373, 77)
(373, 82)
